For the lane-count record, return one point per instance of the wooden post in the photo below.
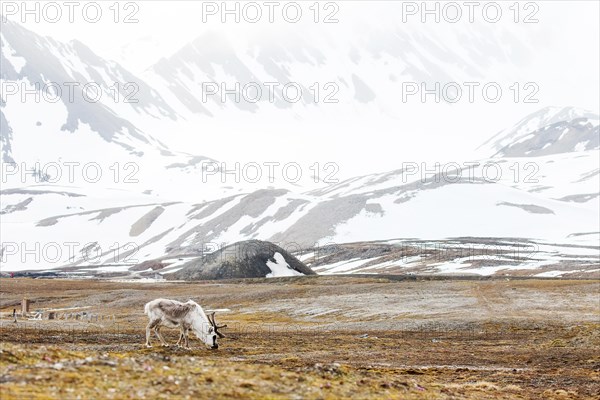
(25, 306)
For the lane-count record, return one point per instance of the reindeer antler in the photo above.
(211, 319)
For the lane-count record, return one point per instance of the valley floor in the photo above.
(309, 337)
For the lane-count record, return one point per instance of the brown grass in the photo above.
(524, 353)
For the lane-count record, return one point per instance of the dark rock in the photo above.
(247, 259)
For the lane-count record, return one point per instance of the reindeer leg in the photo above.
(151, 325)
(160, 336)
(157, 334)
(164, 342)
(181, 336)
(148, 336)
(186, 338)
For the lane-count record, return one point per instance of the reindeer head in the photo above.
(213, 332)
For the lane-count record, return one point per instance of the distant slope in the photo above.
(457, 256)
(129, 228)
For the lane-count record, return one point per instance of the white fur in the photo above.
(186, 316)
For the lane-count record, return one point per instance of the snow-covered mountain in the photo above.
(536, 180)
(122, 228)
(551, 130)
(375, 66)
(49, 68)
(49, 118)
(290, 88)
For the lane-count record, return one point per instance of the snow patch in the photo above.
(581, 146)
(11, 55)
(550, 274)
(280, 267)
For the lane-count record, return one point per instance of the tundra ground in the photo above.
(310, 337)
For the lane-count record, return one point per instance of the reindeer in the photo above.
(187, 316)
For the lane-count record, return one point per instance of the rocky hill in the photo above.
(247, 259)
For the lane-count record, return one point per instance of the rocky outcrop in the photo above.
(247, 259)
